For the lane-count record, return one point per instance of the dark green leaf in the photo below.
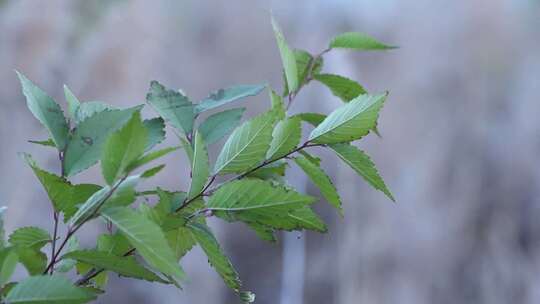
(220, 124)
(342, 87)
(173, 106)
(224, 96)
(47, 111)
(362, 164)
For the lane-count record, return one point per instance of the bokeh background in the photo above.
(460, 146)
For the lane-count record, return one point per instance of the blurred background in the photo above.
(459, 149)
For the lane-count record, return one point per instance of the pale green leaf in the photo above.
(285, 137)
(54, 289)
(349, 122)
(306, 67)
(313, 119)
(147, 238)
(256, 195)
(362, 164)
(150, 157)
(87, 142)
(33, 260)
(218, 125)
(47, 111)
(180, 240)
(89, 206)
(173, 106)
(2, 229)
(125, 266)
(73, 103)
(115, 244)
(358, 41)
(288, 58)
(47, 143)
(278, 106)
(224, 96)
(65, 265)
(88, 109)
(341, 87)
(122, 148)
(156, 132)
(152, 171)
(272, 171)
(321, 180)
(264, 232)
(32, 237)
(200, 169)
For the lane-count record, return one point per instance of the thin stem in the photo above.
(92, 273)
(189, 201)
(55, 233)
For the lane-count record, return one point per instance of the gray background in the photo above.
(460, 143)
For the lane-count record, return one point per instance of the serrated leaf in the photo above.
(272, 171)
(156, 131)
(8, 261)
(124, 266)
(31, 237)
(152, 171)
(278, 106)
(87, 142)
(173, 106)
(218, 125)
(48, 289)
(147, 238)
(64, 196)
(115, 244)
(264, 232)
(88, 109)
(122, 148)
(349, 122)
(246, 146)
(362, 164)
(46, 110)
(288, 58)
(341, 87)
(358, 41)
(321, 180)
(73, 103)
(285, 137)
(169, 201)
(227, 95)
(47, 143)
(200, 169)
(205, 238)
(313, 119)
(2, 229)
(180, 240)
(256, 196)
(33, 260)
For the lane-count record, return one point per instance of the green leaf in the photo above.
(321, 180)
(341, 87)
(224, 96)
(89, 206)
(205, 238)
(8, 261)
(47, 143)
(278, 106)
(152, 171)
(46, 110)
(2, 229)
(65, 265)
(124, 266)
(122, 148)
(99, 282)
(156, 131)
(87, 142)
(264, 232)
(288, 58)
(33, 260)
(64, 196)
(358, 41)
(73, 103)
(349, 122)
(304, 60)
(246, 146)
(31, 237)
(362, 164)
(313, 119)
(256, 196)
(115, 244)
(48, 289)
(88, 109)
(285, 137)
(172, 105)
(150, 157)
(180, 241)
(147, 238)
(200, 169)
(125, 193)
(220, 124)
(272, 171)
